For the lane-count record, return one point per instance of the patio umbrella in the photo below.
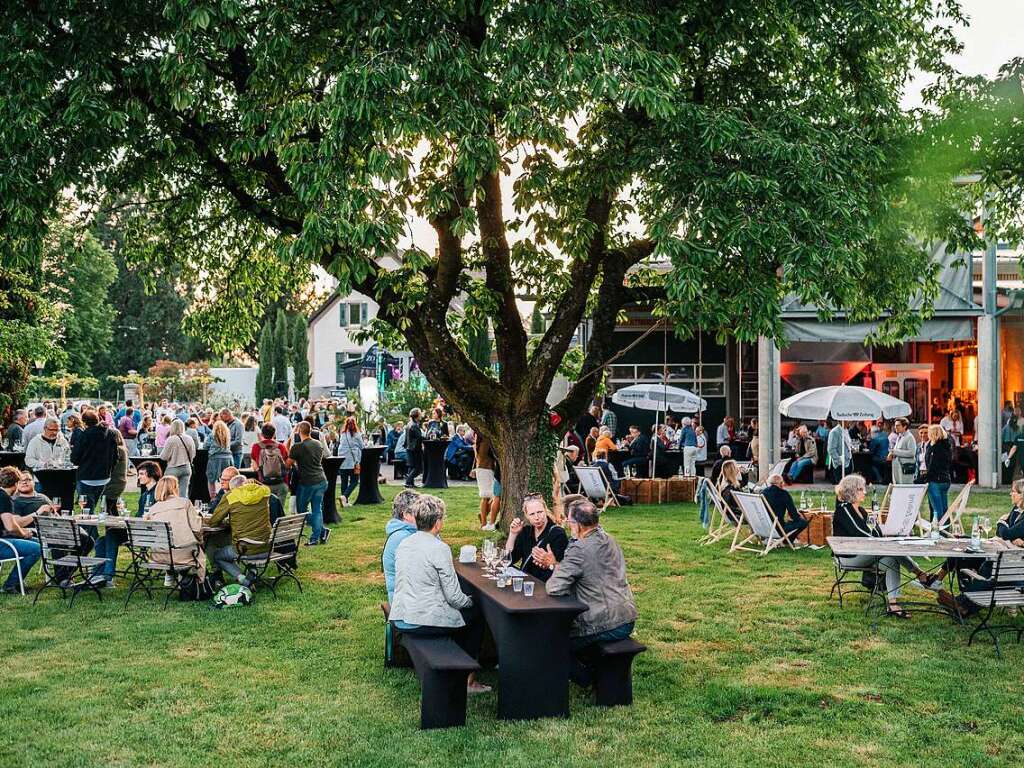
(659, 397)
(843, 403)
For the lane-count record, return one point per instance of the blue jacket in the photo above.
(397, 531)
(456, 443)
(879, 446)
(689, 438)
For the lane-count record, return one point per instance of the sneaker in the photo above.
(169, 580)
(97, 580)
(325, 535)
(490, 527)
(10, 591)
(475, 687)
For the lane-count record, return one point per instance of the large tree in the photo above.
(706, 158)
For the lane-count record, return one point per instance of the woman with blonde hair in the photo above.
(535, 542)
(220, 455)
(851, 519)
(938, 459)
(179, 451)
(729, 481)
(186, 529)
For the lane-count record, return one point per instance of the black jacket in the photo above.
(95, 453)
(937, 458)
(553, 536)
(640, 448)
(851, 520)
(413, 438)
(1012, 526)
(781, 503)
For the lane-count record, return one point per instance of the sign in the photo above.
(338, 393)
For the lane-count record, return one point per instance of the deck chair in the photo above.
(721, 523)
(778, 468)
(595, 486)
(904, 509)
(951, 523)
(764, 529)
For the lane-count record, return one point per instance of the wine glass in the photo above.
(985, 524)
(56, 505)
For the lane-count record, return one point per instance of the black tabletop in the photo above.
(515, 602)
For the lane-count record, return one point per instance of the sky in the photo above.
(995, 35)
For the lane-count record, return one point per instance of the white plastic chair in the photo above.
(904, 509)
(765, 529)
(13, 558)
(595, 486)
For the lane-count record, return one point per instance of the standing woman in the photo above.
(534, 540)
(903, 454)
(250, 436)
(350, 450)
(938, 460)
(163, 431)
(145, 433)
(220, 455)
(179, 452)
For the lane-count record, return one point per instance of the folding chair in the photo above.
(60, 535)
(841, 571)
(562, 473)
(765, 529)
(594, 484)
(722, 522)
(951, 523)
(285, 538)
(145, 537)
(4, 547)
(1004, 591)
(904, 509)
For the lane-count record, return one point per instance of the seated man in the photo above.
(572, 460)
(428, 600)
(806, 453)
(608, 470)
(225, 478)
(780, 502)
(593, 571)
(27, 500)
(246, 509)
(458, 456)
(724, 455)
(13, 543)
(401, 526)
(639, 452)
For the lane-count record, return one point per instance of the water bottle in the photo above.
(803, 499)
(976, 534)
(934, 533)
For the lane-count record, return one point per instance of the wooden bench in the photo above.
(442, 667)
(395, 654)
(613, 672)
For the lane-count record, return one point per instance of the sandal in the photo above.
(927, 579)
(896, 612)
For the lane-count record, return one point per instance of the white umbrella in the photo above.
(659, 397)
(843, 403)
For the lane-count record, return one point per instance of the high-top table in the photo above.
(58, 483)
(198, 490)
(915, 546)
(532, 638)
(331, 466)
(434, 475)
(12, 459)
(369, 468)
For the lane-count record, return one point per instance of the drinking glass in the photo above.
(517, 583)
(55, 505)
(83, 504)
(985, 523)
(528, 588)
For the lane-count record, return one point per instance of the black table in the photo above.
(12, 459)
(58, 483)
(331, 466)
(369, 469)
(434, 474)
(532, 638)
(198, 488)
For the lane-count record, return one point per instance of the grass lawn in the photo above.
(749, 664)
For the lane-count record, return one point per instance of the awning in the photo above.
(935, 329)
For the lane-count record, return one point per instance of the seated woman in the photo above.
(729, 481)
(428, 599)
(186, 529)
(608, 470)
(537, 545)
(851, 519)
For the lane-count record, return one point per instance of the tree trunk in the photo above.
(525, 448)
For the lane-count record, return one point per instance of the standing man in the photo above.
(608, 417)
(95, 453)
(129, 432)
(236, 431)
(688, 442)
(282, 424)
(270, 459)
(34, 427)
(413, 447)
(48, 448)
(839, 446)
(308, 454)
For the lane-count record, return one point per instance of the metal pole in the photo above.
(768, 418)
(987, 419)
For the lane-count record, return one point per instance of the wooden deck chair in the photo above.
(884, 506)
(904, 509)
(778, 468)
(764, 528)
(562, 473)
(721, 523)
(594, 484)
(951, 523)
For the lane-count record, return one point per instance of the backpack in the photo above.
(232, 595)
(271, 465)
(192, 589)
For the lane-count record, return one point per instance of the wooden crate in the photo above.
(627, 487)
(819, 528)
(682, 489)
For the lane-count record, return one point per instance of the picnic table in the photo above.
(532, 638)
(434, 475)
(115, 521)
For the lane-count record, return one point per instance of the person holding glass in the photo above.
(14, 540)
(851, 519)
(536, 544)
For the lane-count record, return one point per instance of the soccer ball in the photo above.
(231, 595)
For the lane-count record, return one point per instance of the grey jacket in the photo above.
(350, 449)
(236, 430)
(905, 450)
(594, 572)
(427, 591)
(836, 439)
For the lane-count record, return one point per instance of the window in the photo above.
(339, 366)
(355, 356)
(353, 314)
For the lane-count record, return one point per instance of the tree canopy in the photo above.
(704, 158)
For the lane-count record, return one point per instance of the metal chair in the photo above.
(60, 536)
(146, 537)
(282, 552)
(14, 558)
(1004, 590)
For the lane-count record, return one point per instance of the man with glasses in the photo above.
(48, 448)
(223, 486)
